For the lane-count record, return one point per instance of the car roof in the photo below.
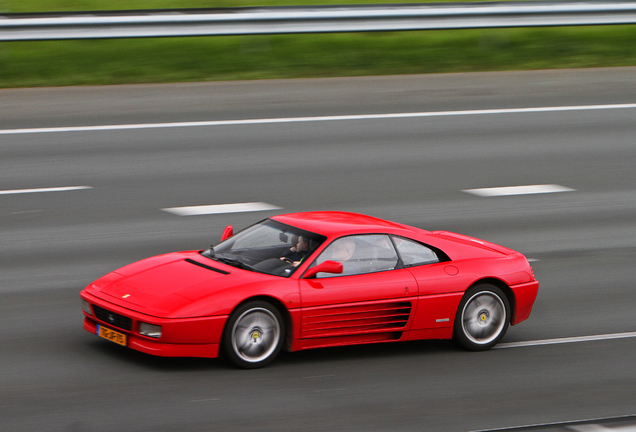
(337, 223)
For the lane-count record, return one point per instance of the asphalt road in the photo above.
(54, 376)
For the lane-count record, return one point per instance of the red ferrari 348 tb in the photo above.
(309, 280)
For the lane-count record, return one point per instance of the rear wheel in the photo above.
(253, 335)
(482, 318)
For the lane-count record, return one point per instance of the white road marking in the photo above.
(566, 340)
(563, 423)
(55, 189)
(328, 390)
(221, 208)
(205, 400)
(518, 190)
(314, 119)
(600, 428)
(27, 211)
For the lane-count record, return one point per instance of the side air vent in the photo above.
(357, 319)
(205, 266)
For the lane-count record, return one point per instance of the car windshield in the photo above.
(268, 247)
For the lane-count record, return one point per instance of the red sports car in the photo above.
(309, 280)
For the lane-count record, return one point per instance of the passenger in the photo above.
(297, 254)
(342, 250)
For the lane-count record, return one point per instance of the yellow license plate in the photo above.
(111, 335)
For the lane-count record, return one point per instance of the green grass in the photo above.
(59, 63)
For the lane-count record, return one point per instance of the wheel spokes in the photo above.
(255, 335)
(483, 318)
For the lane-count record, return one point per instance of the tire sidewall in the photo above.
(227, 345)
(458, 330)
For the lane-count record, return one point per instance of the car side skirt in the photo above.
(432, 333)
(398, 336)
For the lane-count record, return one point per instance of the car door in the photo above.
(440, 286)
(370, 300)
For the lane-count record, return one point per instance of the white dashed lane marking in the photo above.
(518, 190)
(38, 190)
(221, 208)
(26, 211)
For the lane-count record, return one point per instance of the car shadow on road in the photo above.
(120, 354)
(368, 351)
(356, 353)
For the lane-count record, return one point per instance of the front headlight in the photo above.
(150, 330)
(86, 307)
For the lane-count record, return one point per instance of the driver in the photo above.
(297, 254)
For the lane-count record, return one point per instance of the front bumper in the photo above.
(181, 337)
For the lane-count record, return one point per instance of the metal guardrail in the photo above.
(319, 19)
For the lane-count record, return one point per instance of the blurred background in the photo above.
(111, 123)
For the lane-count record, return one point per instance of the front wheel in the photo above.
(482, 317)
(253, 335)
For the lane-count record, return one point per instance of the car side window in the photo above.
(414, 253)
(360, 254)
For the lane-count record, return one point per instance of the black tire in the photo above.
(482, 317)
(253, 335)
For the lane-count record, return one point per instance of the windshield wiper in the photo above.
(233, 262)
(208, 253)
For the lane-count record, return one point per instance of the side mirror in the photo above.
(227, 233)
(324, 267)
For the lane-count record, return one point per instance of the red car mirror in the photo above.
(324, 267)
(227, 232)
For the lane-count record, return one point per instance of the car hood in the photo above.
(165, 284)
